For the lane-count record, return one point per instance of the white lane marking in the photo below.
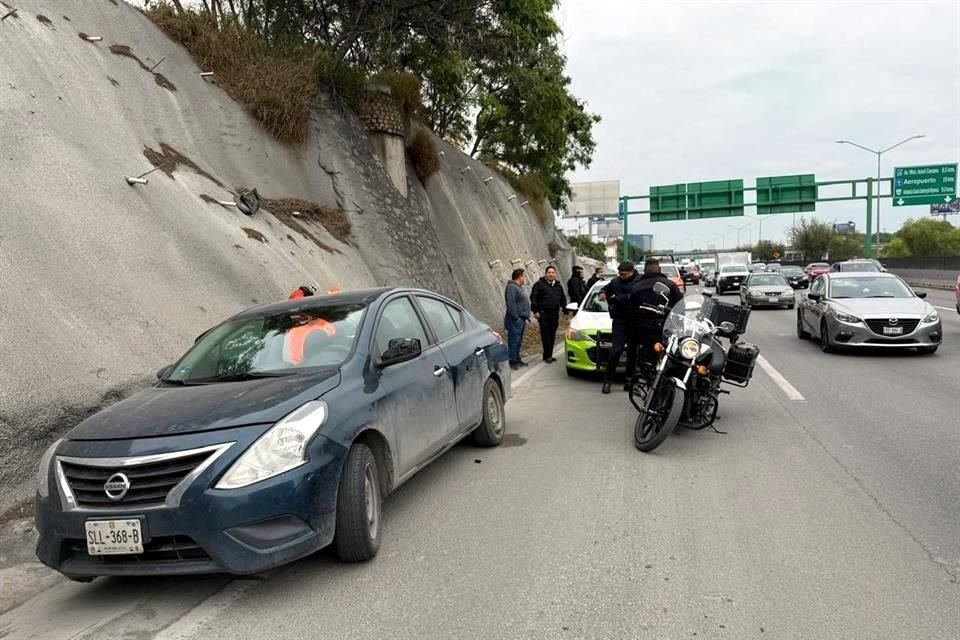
(944, 308)
(519, 380)
(788, 389)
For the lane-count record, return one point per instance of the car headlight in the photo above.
(756, 293)
(575, 336)
(689, 348)
(788, 292)
(43, 473)
(282, 448)
(843, 317)
(933, 317)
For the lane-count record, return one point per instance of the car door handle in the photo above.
(439, 371)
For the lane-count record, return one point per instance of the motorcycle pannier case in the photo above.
(741, 358)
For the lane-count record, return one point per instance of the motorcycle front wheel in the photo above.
(661, 416)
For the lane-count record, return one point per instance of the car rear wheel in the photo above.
(825, 344)
(357, 537)
(493, 424)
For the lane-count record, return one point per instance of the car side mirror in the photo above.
(921, 294)
(573, 306)
(400, 350)
(814, 296)
(164, 372)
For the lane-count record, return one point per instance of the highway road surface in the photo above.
(830, 509)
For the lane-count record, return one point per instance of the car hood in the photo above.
(882, 307)
(592, 321)
(168, 410)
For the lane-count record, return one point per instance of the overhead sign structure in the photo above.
(786, 194)
(930, 184)
(696, 200)
(717, 199)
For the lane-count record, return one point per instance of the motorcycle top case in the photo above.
(741, 359)
(718, 311)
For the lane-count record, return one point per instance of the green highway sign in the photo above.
(668, 203)
(717, 199)
(929, 184)
(786, 194)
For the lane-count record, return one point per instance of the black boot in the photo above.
(606, 386)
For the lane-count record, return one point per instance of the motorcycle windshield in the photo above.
(686, 320)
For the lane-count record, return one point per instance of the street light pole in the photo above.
(879, 154)
(738, 230)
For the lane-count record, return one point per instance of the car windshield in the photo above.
(727, 268)
(593, 304)
(879, 287)
(276, 343)
(858, 266)
(767, 280)
(791, 271)
(670, 270)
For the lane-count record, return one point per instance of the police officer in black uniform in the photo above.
(617, 295)
(648, 326)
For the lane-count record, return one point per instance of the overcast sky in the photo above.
(693, 91)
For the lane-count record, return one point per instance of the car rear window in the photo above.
(670, 270)
(732, 267)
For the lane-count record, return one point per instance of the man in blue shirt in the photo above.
(517, 316)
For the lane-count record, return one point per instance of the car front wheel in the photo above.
(492, 426)
(825, 344)
(357, 536)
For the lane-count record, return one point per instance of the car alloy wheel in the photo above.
(825, 345)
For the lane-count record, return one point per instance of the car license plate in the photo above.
(114, 537)
(773, 298)
(893, 331)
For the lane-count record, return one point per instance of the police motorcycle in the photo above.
(682, 384)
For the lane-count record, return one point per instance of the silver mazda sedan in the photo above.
(847, 310)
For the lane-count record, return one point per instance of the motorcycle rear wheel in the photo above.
(655, 425)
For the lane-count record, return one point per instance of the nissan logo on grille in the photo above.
(116, 486)
(893, 322)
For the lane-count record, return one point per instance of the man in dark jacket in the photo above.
(595, 278)
(577, 286)
(617, 295)
(649, 326)
(517, 316)
(546, 301)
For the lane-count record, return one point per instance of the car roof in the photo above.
(353, 296)
(861, 274)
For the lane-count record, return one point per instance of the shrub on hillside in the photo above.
(405, 88)
(423, 154)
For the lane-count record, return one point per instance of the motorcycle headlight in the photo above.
(43, 473)
(843, 317)
(933, 317)
(689, 348)
(756, 293)
(575, 336)
(282, 448)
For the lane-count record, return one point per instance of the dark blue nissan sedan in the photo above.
(276, 434)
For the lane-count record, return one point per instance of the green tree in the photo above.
(896, 248)
(844, 246)
(929, 237)
(811, 238)
(767, 251)
(584, 246)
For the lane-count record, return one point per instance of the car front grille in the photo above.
(150, 482)
(160, 550)
(877, 324)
